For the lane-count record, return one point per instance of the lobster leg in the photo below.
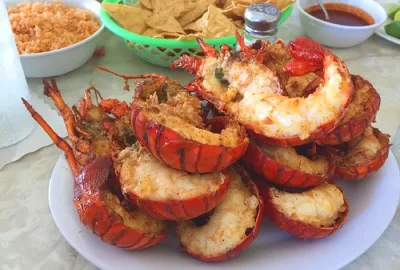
(88, 95)
(261, 53)
(208, 50)
(192, 87)
(192, 64)
(86, 103)
(60, 142)
(247, 51)
(115, 107)
(225, 48)
(52, 91)
(240, 40)
(142, 76)
(128, 77)
(115, 148)
(81, 143)
(79, 127)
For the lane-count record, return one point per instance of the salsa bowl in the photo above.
(340, 36)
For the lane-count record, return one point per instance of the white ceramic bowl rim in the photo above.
(70, 47)
(372, 26)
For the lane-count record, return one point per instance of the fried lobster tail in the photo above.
(362, 156)
(167, 122)
(316, 213)
(229, 228)
(362, 111)
(166, 193)
(100, 210)
(249, 92)
(283, 166)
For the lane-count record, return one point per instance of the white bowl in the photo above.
(64, 60)
(340, 36)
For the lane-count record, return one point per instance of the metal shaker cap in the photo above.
(262, 19)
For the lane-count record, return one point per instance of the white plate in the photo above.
(372, 206)
(382, 33)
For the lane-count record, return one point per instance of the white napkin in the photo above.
(38, 138)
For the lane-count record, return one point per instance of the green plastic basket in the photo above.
(162, 52)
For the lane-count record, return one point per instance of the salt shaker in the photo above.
(261, 22)
(15, 122)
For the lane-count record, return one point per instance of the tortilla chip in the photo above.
(151, 32)
(164, 24)
(147, 3)
(138, 5)
(246, 2)
(131, 18)
(220, 3)
(235, 11)
(172, 8)
(239, 24)
(197, 12)
(189, 5)
(191, 36)
(135, 3)
(227, 3)
(236, 8)
(281, 4)
(213, 24)
(249, 2)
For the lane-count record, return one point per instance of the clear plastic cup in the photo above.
(15, 122)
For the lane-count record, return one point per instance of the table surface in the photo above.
(29, 239)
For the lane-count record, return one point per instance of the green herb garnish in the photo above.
(219, 74)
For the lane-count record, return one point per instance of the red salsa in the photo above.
(342, 14)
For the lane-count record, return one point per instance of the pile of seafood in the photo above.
(260, 132)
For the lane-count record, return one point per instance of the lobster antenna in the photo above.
(60, 142)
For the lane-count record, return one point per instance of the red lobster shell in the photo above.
(356, 120)
(182, 153)
(277, 172)
(359, 172)
(94, 213)
(184, 228)
(296, 227)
